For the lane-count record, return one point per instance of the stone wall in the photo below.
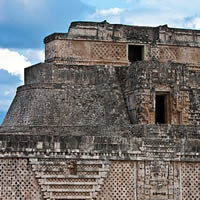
(169, 142)
(146, 79)
(151, 180)
(194, 107)
(62, 95)
(85, 52)
(101, 95)
(145, 162)
(107, 44)
(44, 178)
(174, 53)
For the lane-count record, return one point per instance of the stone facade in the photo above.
(112, 114)
(108, 44)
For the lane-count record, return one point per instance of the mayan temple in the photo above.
(112, 114)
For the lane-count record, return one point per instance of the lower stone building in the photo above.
(112, 114)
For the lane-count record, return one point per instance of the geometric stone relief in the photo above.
(157, 180)
(159, 147)
(17, 181)
(37, 179)
(108, 51)
(142, 106)
(162, 53)
(168, 53)
(190, 181)
(181, 109)
(120, 183)
(194, 112)
(151, 180)
(155, 53)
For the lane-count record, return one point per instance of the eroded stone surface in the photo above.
(113, 113)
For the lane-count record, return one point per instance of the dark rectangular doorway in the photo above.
(135, 53)
(160, 109)
(163, 108)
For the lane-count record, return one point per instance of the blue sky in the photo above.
(24, 24)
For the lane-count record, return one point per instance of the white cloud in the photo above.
(152, 13)
(197, 22)
(13, 62)
(112, 15)
(171, 12)
(178, 5)
(154, 19)
(40, 55)
(106, 12)
(111, 11)
(193, 22)
(8, 92)
(33, 55)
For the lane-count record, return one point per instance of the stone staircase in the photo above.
(69, 179)
(158, 131)
(158, 143)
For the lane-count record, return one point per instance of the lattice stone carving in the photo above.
(120, 183)
(108, 51)
(17, 181)
(190, 181)
(168, 53)
(155, 53)
(162, 53)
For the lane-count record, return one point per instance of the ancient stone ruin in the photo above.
(112, 114)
